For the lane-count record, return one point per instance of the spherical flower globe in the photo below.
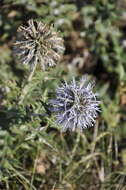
(38, 43)
(76, 105)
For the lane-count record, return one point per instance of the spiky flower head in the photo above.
(76, 104)
(38, 43)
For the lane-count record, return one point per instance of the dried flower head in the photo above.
(75, 105)
(38, 43)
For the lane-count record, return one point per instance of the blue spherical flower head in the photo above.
(76, 104)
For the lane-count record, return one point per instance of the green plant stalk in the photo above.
(25, 88)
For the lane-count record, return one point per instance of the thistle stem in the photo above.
(25, 88)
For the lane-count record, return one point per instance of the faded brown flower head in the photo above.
(38, 43)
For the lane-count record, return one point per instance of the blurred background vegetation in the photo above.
(34, 154)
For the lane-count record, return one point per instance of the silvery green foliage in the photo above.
(76, 104)
(38, 43)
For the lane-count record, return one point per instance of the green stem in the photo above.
(25, 89)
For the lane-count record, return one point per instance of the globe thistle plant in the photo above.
(75, 105)
(38, 43)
